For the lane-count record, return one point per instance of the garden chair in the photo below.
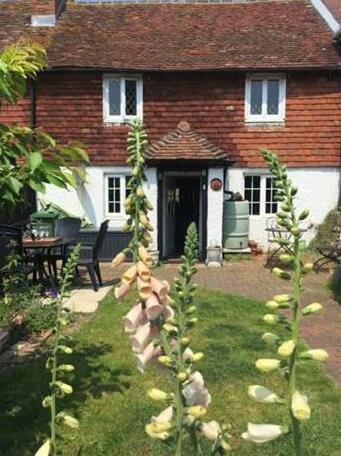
(67, 228)
(274, 233)
(91, 262)
(329, 252)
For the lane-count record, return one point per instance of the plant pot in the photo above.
(214, 256)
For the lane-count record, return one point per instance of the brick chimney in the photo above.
(44, 13)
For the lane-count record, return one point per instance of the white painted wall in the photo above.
(318, 191)
(89, 199)
(150, 188)
(215, 208)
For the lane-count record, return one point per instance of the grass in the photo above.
(110, 396)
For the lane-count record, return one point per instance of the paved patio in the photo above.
(251, 279)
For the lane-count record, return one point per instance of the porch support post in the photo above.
(151, 191)
(215, 208)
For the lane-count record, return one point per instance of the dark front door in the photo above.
(181, 205)
(187, 208)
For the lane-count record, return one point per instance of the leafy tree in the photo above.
(29, 157)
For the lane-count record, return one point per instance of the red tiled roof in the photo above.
(239, 36)
(15, 20)
(184, 144)
(334, 7)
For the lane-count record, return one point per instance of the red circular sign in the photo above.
(216, 184)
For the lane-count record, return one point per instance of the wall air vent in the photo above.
(46, 20)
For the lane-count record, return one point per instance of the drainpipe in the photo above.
(32, 196)
(33, 94)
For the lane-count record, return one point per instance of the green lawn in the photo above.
(110, 395)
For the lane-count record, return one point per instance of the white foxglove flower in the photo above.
(261, 394)
(211, 430)
(286, 349)
(187, 354)
(299, 406)
(165, 416)
(267, 365)
(197, 411)
(195, 392)
(158, 430)
(45, 449)
(261, 433)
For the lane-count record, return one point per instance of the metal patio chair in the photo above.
(92, 262)
(274, 234)
(329, 252)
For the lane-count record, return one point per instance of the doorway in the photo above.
(181, 205)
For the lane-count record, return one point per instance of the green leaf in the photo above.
(15, 184)
(37, 186)
(34, 161)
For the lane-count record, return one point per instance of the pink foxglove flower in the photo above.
(145, 289)
(153, 307)
(195, 392)
(168, 313)
(130, 274)
(160, 288)
(145, 357)
(134, 318)
(122, 291)
(140, 339)
(143, 271)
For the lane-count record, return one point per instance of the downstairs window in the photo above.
(259, 191)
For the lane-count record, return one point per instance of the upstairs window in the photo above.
(259, 191)
(122, 98)
(265, 98)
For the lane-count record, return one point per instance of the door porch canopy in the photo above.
(184, 145)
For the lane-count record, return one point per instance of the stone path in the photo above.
(251, 279)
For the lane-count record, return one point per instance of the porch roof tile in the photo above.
(185, 144)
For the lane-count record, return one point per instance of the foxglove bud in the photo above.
(312, 308)
(268, 365)
(317, 354)
(286, 349)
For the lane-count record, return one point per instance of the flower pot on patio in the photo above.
(214, 257)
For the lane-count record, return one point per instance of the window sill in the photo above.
(123, 121)
(265, 123)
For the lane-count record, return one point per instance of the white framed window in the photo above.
(259, 190)
(122, 98)
(116, 191)
(265, 98)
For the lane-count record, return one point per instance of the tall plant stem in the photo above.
(295, 337)
(54, 373)
(179, 398)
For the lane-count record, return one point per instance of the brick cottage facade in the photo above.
(213, 83)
